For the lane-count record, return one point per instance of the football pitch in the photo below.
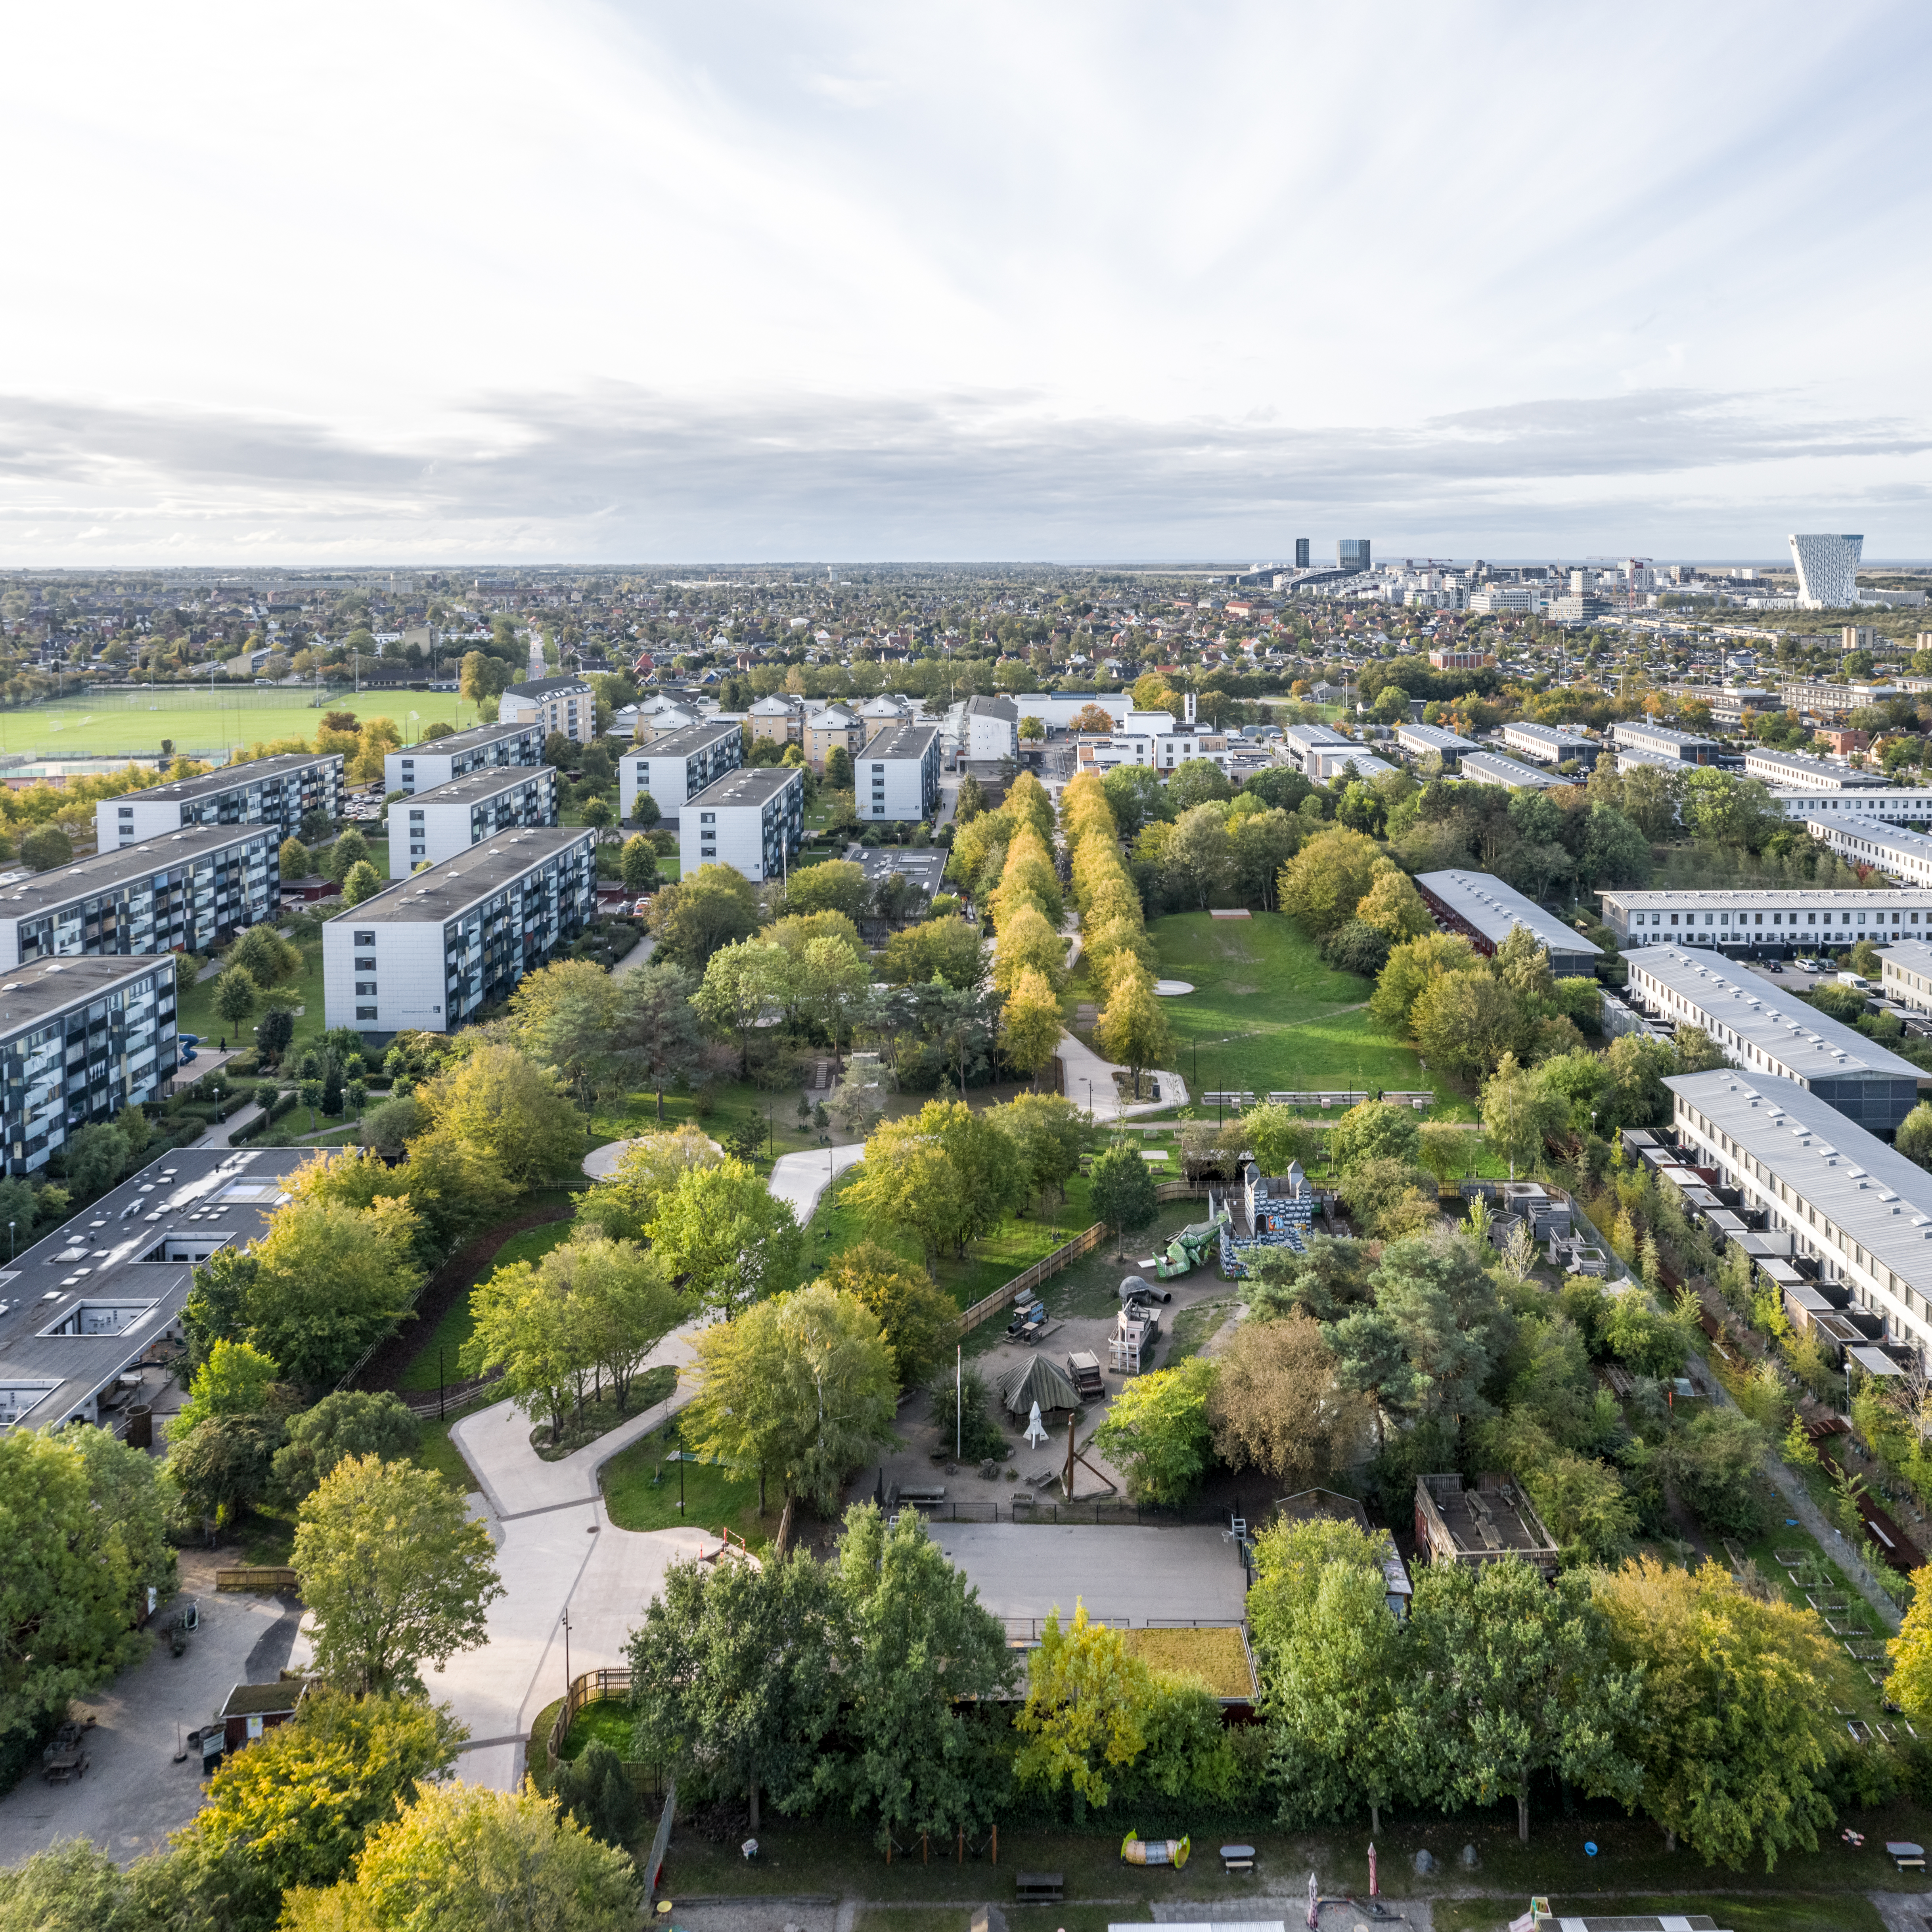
(208, 725)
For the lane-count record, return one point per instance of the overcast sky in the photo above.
(391, 280)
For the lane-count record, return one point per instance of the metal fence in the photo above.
(1025, 1506)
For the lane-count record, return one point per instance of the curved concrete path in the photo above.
(557, 1551)
(601, 1163)
(1084, 1066)
(799, 1179)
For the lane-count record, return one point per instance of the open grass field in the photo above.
(1267, 1014)
(204, 725)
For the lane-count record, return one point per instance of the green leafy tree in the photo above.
(469, 1859)
(234, 997)
(44, 847)
(234, 1379)
(947, 1175)
(1734, 1727)
(395, 1572)
(1324, 882)
(917, 1321)
(721, 1229)
(1132, 1029)
(918, 1652)
(500, 1101)
(293, 861)
(638, 862)
(1086, 1711)
(1514, 1682)
(801, 1386)
(741, 981)
(732, 1676)
(1518, 1111)
(1052, 1135)
(655, 1038)
(297, 1806)
(1122, 1190)
(1158, 1431)
(839, 886)
(715, 906)
(948, 949)
(266, 956)
(350, 1422)
(350, 849)
(1374, 1130)
(1914, 1138)
(1334, 1668)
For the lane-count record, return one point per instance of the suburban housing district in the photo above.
(847, 1216)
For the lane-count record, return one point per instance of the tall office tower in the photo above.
(1582, 583)
(1828, 571)
(1301, 553)
(1351, 553)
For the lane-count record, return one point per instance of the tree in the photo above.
(803, 1385)
(1910, 1684)
(623, 1203)
(838, 886)
(1261, 844)
(655, 1040)
(1122, 1190)
(1519, 1112)
(722, 1229)
(1914, 1138)
(233, 1379)
(1411, 967)
(1715, 1463)
(833, 980)
(395, 1572)
(500, 1101)
(918, 1651)
(918, 1321)
(731, 1674)
(1051, 1136)
(740, 981)
(948, 948)
(234, 997)
(1324, 882)
(1373, 1130)
(350, 1422)
(1157, 1431)
(361, 882)
(299, 1805)
(464, 1858)
(1198, 855)
(266, 956)
(637, 863)
(44, 847)
(81, 1522)
(1465, 1023)
(292, 860)
(350, 849)
(1087, 1708)
(1333, 1667)
(715, 906)
(1392, 904)
(1514, 1682)
(1133, 1030)
(324, 1282)
(1734, 1725)
(621, 1304)
(521, 1328)
(1030, 1024)
(1136, 794)
(1276, 1404)
(947, 1175)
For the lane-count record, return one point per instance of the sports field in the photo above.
(204, 725)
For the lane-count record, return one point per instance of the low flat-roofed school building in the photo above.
(1484, 910)
(1776, 918)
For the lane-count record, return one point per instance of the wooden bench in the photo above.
(1038, 1888)
(1238, 1858)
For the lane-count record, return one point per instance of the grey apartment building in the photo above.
(677, 766)
(429, 952)
(429, 826)
(184, 893)
(278, 791)
(80, 1040)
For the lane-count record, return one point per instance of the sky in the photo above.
(420, 281)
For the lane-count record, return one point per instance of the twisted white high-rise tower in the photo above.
(1828, 571)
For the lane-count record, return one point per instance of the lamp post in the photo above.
(439, 1384)
(566, 1669)
(10, 1226)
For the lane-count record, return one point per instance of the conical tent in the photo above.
(1037, 1381)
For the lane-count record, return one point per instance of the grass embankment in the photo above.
(456, 1326)
(109, 723)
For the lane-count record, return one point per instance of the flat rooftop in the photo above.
(227, 778)
(901, 741)
(443, 891)
(1493, 908)
(684, 741)
(1839, 778)
(463, 741)
(751, 785)
(30, 993)
(1124, 1573)
(106, 870)
(487, 783)
(1765, 899)
(96, 1272)
(1749, 1011)
(1493, 768)
(1876, 833)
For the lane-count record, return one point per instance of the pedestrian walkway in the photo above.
(222, 1133)
(799, 1179)
(1090, 1084)
(638, 956)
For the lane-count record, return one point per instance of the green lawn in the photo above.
(641, 1491)
(456, 1326)
(1016, 1244)
(197, 1013)
(436, 1452)
(1267, 1015)
(206, 726)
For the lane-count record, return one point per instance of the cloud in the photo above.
(617, 472)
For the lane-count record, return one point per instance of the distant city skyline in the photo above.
(610, 281)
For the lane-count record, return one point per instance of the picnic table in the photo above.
(1238, 1858)
(66, 1757)
(1038, 1888)
(1907, 1856)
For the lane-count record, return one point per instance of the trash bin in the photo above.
(141, 1425)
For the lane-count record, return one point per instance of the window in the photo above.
(365, 989)
(415, 818)
(365, 965)
(365, 1012)
(365, 939)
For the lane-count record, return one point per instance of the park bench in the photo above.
(1038, 1888)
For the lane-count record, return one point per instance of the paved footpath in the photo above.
(557, 1551)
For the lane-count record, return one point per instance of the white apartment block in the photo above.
(435, 761)
(1800, 919)
(1759, 1026)
(1792, 771)
(567, 705)
(675, 766)
(1858, 1208)
(1550, 744)
(1871, 841)
(1894, 805)
(1485, 910)
(753, 819)
(429, 826)
(427, 953)
(276, 791)
(183, 892)
(1905, 971)
(989, 729)
(896, 776)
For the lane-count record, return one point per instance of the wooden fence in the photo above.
(592, 1687)
(271, 1577)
